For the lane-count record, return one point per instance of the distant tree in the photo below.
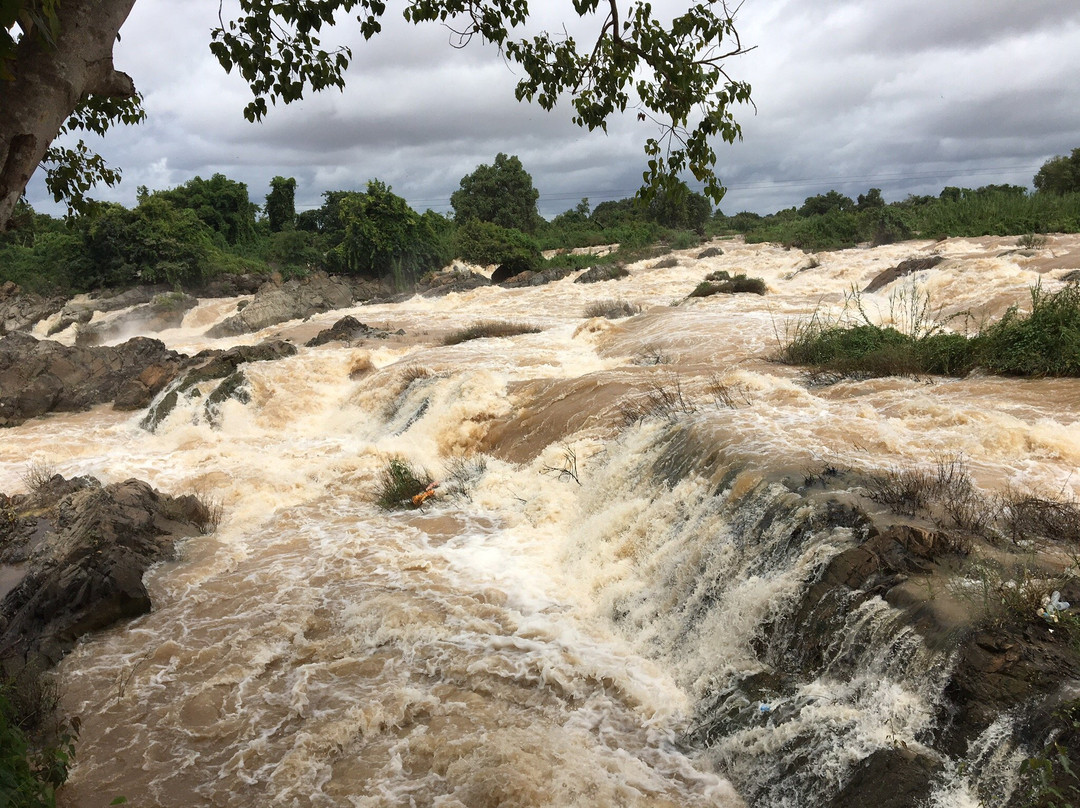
(281, 204)
(871, 200)
(384, 237)
(1060, 175)
(617, 212)
(680, 209)
(501, 193)
(826, 203)
(221, 203)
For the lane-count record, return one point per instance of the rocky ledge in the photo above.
(74, 553)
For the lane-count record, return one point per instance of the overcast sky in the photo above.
(905, 95)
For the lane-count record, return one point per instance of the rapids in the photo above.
(557, 635)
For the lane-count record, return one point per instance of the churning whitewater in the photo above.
(597, 610)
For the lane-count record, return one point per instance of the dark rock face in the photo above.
(215, 364)
(231, 285)
(900, 270)
(889, 778)
(710, 252)
(37, 377)
(609, 272)
(84, 549)
(295, 299)
(81, 311)
(456, 279)
(19, 312)
(532, 278)
(347, 329)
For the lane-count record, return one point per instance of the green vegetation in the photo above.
(399, 483)
(486, 329)
(833, 222)
(718, 283)
(32, 767)
(612, 309)
(1043, 342)
(501, 193)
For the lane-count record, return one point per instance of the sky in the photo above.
(904, 95)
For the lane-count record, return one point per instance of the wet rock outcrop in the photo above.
(215, 364)
(164, 311)
(82, 549)
(20, 311)
(43, 376)
(604, 272)
(534, 277)
(455, 279)
(296, 299)
(904, 268)
(347, 329)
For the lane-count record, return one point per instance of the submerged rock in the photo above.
(347, 329)
(604, 272)
(83, 548)
(163, 311)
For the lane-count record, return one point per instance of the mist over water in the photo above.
(581, 628)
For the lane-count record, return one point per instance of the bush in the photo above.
(612, 309)
(29, 777)
(740, 284)
(1045, 342)
(399, 483)
(486, 243)
(489, 329)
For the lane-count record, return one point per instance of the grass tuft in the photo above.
(740, 284)
(489, 329)
(612, 309)
(399, 483)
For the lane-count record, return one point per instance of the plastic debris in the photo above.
(1051, 605)
(425, 495)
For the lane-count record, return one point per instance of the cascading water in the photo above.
(613, 611)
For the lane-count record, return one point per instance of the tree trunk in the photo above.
(49, 81)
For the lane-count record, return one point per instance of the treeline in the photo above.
(833, 221)
(188, 235)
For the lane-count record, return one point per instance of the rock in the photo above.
(213, 364)
(20, 312)
(231, 285)
(604, 272)
(889, 778)
(295, 299)
(455, 279)
(531, 278)
(85, 548)
(347, 329)
(163, 311)
(234, 386)
(1073, 276)
(907, 267)
(710, 252)
(42, 376)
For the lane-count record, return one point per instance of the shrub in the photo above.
(489, 329)
(612, 309)
(740, 284)
(399, 483)
(1046, 342)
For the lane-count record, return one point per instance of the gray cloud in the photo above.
(906, 95)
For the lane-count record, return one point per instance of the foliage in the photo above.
(281, 204)
(612, 309)
(1060, 175)
(501, 193)
(384, 237)
(826, 203)
(29, 777)
(1044, 342)
(399, 482)
(675, 71)
(220, 203)
(486, 243)
(729, 286)
(489, 329)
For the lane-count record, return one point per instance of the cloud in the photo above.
(906, 95)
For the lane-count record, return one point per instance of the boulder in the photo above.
(604, 272)
(455, 279)
(535, 278)
(83, 549)
(347, 329)
(42, 376)
(162, 312)
(20, 312)
(295, 299)
(902, 269)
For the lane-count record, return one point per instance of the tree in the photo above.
(1060, 175)
(871, 200)
(59, 74)
(281, 204)
(221, 203)
(384, 237)
(501, 193)
(824, 203)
